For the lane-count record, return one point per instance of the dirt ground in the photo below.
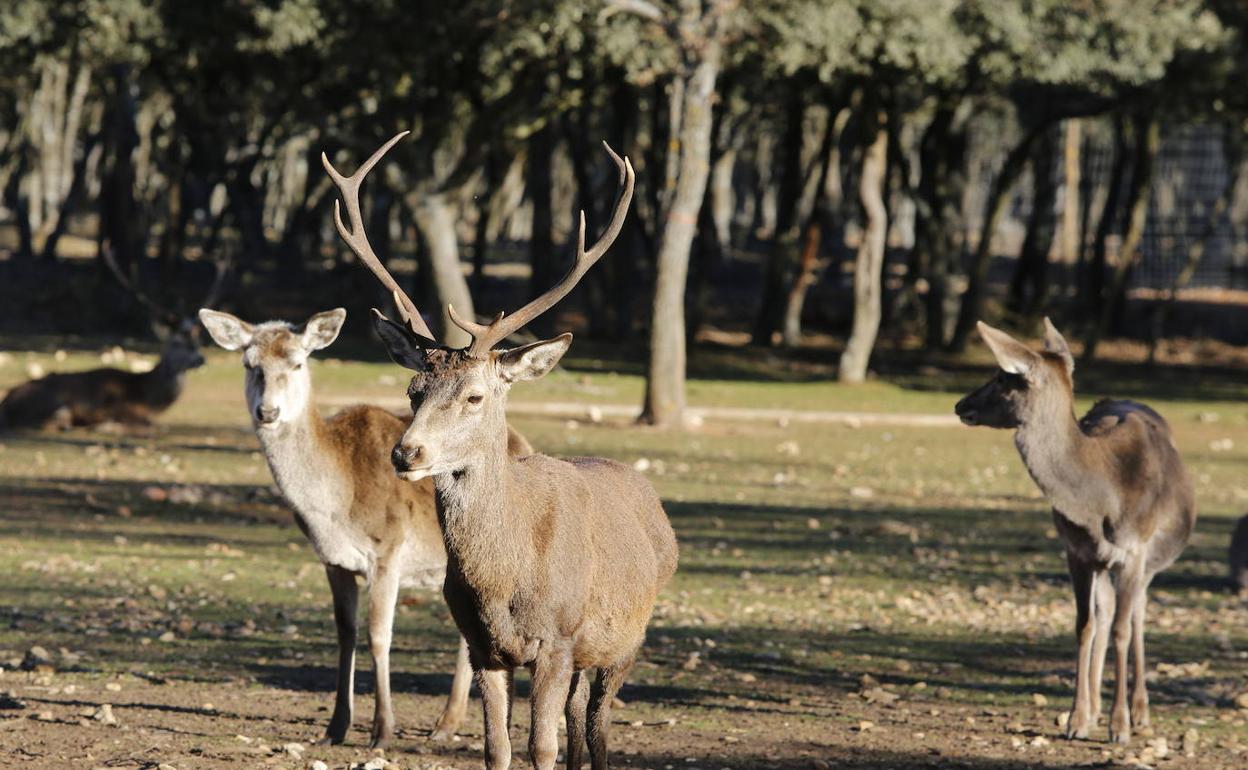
(848, 597)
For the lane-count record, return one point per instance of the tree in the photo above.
(869, 263)
(693, 34)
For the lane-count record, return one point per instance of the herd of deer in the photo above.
(555, 564)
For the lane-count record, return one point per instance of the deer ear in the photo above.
(226, 330)
(534, 360)
(1054, 342)
(403, 348)
(1012, 356)
(322, 329)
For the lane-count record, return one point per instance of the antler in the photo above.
(485, 336)
(357, 239)
(155, 309)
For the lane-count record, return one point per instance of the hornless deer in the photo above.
(1122, 503)
(361, 519)
(113, 395)
(553, 564)
(1239, 557)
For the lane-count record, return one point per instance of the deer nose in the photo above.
(404, 457)
(267, 414)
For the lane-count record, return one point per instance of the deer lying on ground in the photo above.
(1122, 503)
(361, 519)
(106, 395)
(553, 564)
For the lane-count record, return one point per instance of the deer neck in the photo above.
(163, 384)
(1060, 459)
(304, 465)
(482, 515)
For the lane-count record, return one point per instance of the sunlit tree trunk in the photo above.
(869, 264)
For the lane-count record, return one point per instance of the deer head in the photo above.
(458, 395)
(1030, 385)
(275, 354)
(178, 332)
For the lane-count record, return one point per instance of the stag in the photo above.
(553, 564)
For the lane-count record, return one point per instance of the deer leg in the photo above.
(1139, 693)
(552, 679)
(1103, 603)
(346, 602)
(382, 596)
(457, 703)
(1082, 578)
(1129, 585)
(576, 713)
(606, 685)
(495, 687)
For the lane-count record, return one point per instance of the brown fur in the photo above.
(553, 564)
(1123, 505)
(363, 521)
(83, 399)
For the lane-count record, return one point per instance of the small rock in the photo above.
(1039, 742)
(113, 687)
(318, 765)
(862, 493)
(155, 494)
(1063, 719)
(691, 663)
(104, 715)
(1241, 700)
(167, 636)
(748, 678)
(294, 749)
(1191, 742)
(36, 657)
(1039, 699)
(45, 716)
(376, 763)
(864, 726)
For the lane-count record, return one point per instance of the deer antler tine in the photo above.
(485, 337)
(357, 239)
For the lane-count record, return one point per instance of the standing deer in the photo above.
(362, 520)
(1238, 554)
(108, 395)
(1122, 503)
(553, 564)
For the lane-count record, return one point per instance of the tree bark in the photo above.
(869, 263)
(665, 378)
(942, 165)
(1148, 144)
(432, 214)
(770, 317)
(827, 201)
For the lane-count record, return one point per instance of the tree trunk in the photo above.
(973, 300)
(869, 263)
(541, 242)
(827, 202)
(665, 378)
(770, 317)
(1070, 248)
(1029, 285)
(1148, 143)
(1093, 286)
(942, 164)
(433, 217)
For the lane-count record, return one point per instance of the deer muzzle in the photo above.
(411, 462)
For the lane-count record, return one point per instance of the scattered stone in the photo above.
(1039, 699)
(37, 659)
(376, 763)
(318, 765)
(1241, 700)
(1063, 719)
(155, 494)
(1191, 742)
(104, 715)
(1039, 742)
(862, 493)
(880, 695)
(748, 678)
(113, 687)
(294, 749)
(691, 663)
(45, 716)
(167, 636)
(864, 726)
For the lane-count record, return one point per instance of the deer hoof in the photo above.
(1078, 727)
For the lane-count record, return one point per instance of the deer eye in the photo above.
(475, 398)
(297, 367)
